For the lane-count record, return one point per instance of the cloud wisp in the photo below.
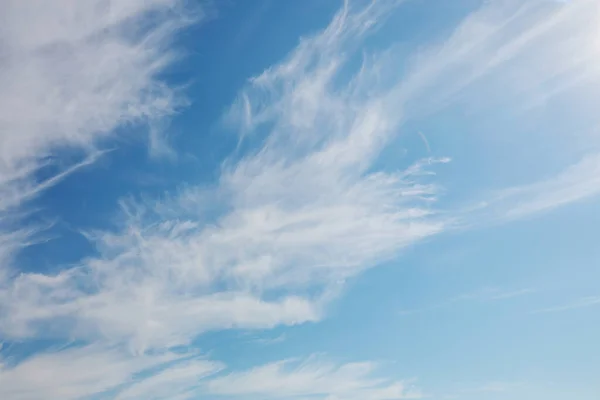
(71, 74)
(575, 183)
(80, 372)
(303, 212)
(295, 217)
(584, 302)
(527, 52)
(312, 378)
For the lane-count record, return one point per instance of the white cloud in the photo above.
(493, 293)
(517, 55)
(72, 72)
(174, 382)
(285, 225)
(155, 312)
(524, 52)
(74, 373)
(313, 378)
(288, 223)
(575, 183)
(274, 239)
(302, 212)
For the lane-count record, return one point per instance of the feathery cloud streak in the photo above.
(159, 282)
(302, 212)
(79, 372)
(71, 73)
(313, 379)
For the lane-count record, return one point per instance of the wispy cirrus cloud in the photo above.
(295, 218)
(177, 381)
(82, 71)
(71, 73)
(575, 183)
(315, 379)
(526, 54)
(530, 50)
(78, 372)
(583, 302)
(286, 223)
(273, 254)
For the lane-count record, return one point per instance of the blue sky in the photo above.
(307, 200)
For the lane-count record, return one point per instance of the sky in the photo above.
(299, 200)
